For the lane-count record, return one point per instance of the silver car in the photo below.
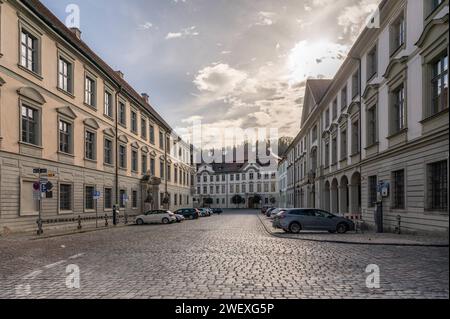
(297, 219)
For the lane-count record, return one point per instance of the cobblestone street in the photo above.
(227, 256)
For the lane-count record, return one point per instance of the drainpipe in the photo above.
(116, 157)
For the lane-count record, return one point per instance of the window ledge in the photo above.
(31, 145)
(431, 117)
(69, 94)
(354, 154)
(397, 50)
(108, 117)
(372, 146)
(401, 132)
(437, 212)
(36, 75)
(66, 154)
(65, 212)
(89, 211)
(108, 165)
(90, 160)
(92, 107)
(371, 77)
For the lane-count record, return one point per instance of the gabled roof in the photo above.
(54, 23)
(318, 88)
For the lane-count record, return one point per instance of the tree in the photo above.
(237, 200)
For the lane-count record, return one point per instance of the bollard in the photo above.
(79, 222)
(40, 231)
(106, 220)
(126, 219)
(399, 224)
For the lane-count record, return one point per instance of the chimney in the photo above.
(120, 73)
(145, 97)
(77, 32)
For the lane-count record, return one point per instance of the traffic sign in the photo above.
(97, 195)
(40, 171)
(36, 186)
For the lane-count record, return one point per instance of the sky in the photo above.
(227, 63)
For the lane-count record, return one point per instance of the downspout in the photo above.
(116, 150)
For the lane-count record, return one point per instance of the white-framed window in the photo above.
(29, 50)
(398, 110)
(90, 91)
(65, 137)
(108, 107)
(439, 85)
(372, 63)
(65, 75)
(398, 33)
(90, 144)
(30, 124)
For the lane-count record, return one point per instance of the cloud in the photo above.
(146, 26)
(219, 78)
(265, 18)
(186, 32)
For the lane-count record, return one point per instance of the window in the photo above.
(205, 190)
(398, 189)
(327, 154)
(65, 197)
(161, 140)
(238, 177)
(211, 178)
(134, 199)
(152, 167)
(65, 139)
(89, 91)
(134, 128)
(344, 101)
(355, 137)
(439, 85)
(65, 75)
(169, 172)
(134, 161)
(152, 134)
(89, 197)
(144, 164)
(372, 63)
(122, 198)
(334, 151)
(372, 137)
(144, 128)
(314, 134)
(437, 186)
(398, 33)
(398, 110)
(344, 144)
(90, 143)
(355, 84)
(108, 111)
(29, 51)
(30, 125)
(108, 198)
(335, 109)
(122, 156)
(372, 187)
(161, 169)
(251, 176)
(175, 175)
(327, 118)
(211, 190)
(108, 151)
(231, 177)
(122, 114)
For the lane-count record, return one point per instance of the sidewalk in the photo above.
(366, 238)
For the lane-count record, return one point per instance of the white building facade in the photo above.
(220, 185)
(382, 120)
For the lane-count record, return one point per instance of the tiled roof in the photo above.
(53, 22)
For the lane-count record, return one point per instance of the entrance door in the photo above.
(251, 203)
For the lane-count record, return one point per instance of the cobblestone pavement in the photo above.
(227, 256)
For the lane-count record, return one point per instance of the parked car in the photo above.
(217, 211)
(297, 219)
(265, 208)
(269, 211)
(204, 212)
(273, 213)
(188, 213)
(179, 217)
(156, 216)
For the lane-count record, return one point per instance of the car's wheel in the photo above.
(341, 228)
(191, 217)
(295, 228)
(165, 220)
(140, 222)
